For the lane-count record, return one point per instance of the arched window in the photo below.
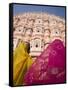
(38, 22)
(37, 43)
(55, 32)
(53, 23)
(46, 32)
(29, 31)
(38, 30)
(20, 30)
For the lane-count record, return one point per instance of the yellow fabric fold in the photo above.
(21, 63)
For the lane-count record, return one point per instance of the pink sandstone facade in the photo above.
(37, 29)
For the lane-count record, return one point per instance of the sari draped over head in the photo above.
(21, 63)
(49, 67)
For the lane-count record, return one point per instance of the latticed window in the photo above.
(29, 31)
(56, 32)
(37, 43)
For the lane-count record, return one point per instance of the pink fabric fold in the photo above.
(49, 67)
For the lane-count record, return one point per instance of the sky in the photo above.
(21, 8)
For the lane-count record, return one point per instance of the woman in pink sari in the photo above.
(49, 67)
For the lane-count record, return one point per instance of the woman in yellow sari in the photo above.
(21, 63)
